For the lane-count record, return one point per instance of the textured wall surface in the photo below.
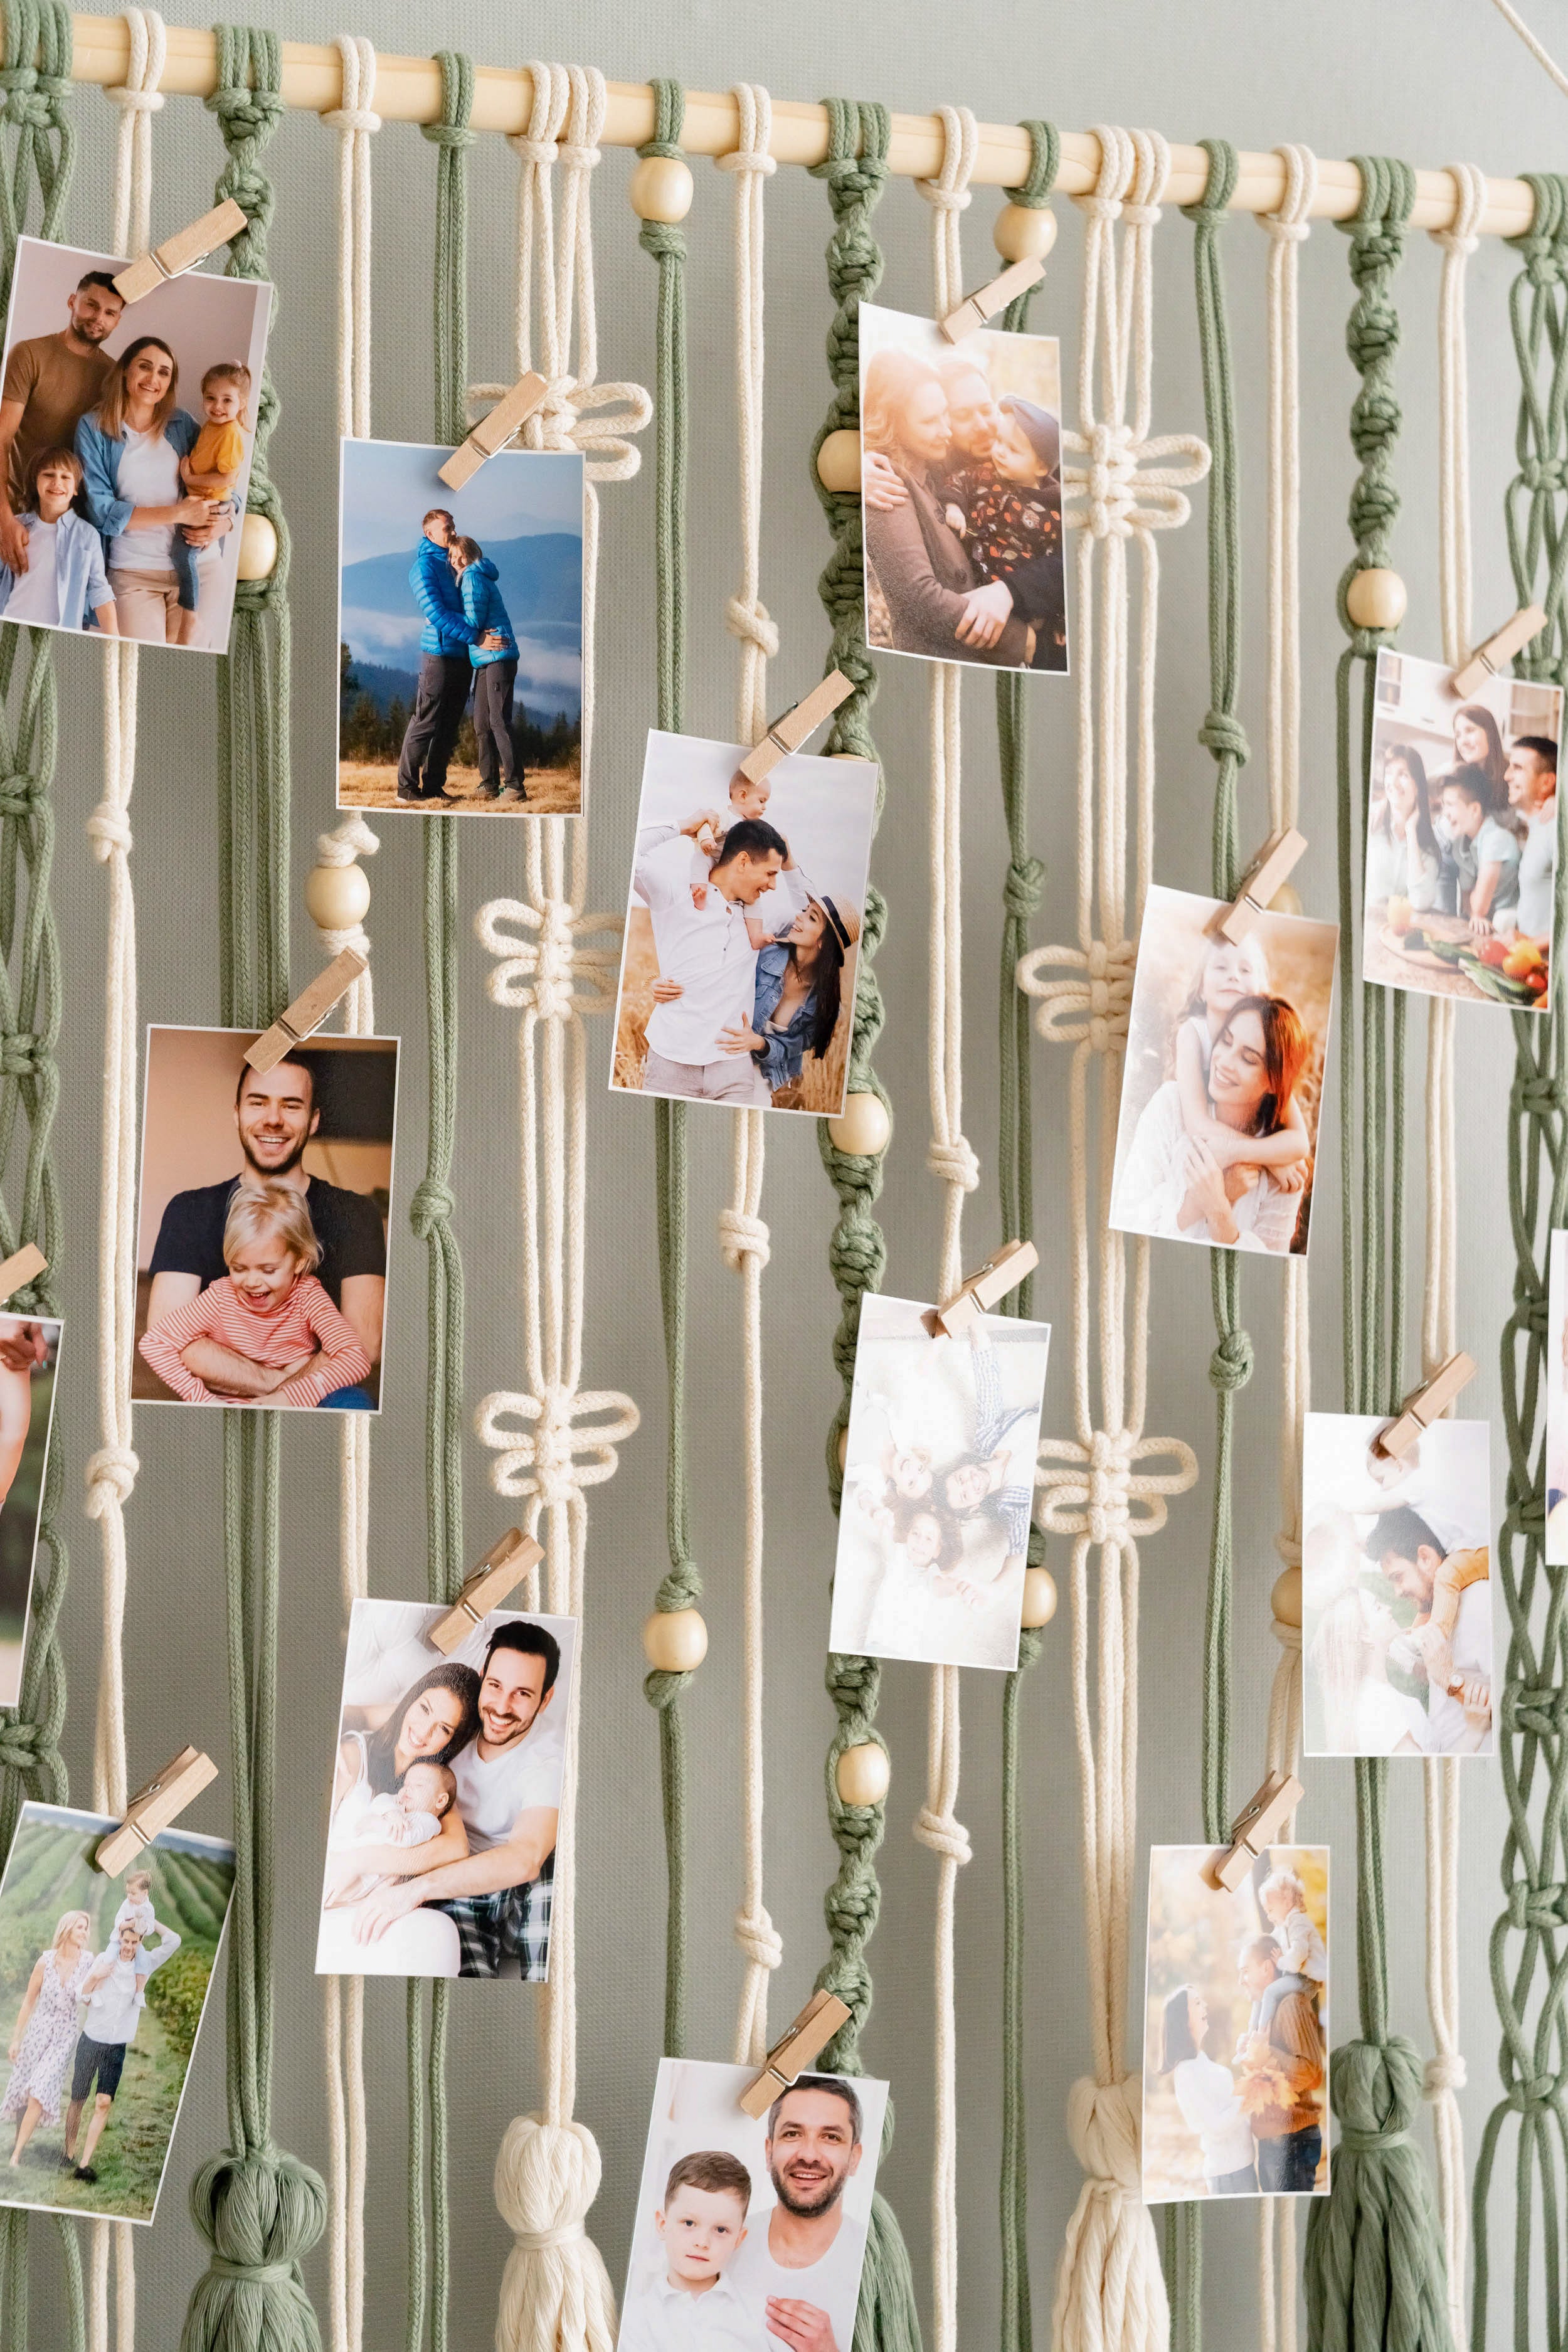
(1432, 79)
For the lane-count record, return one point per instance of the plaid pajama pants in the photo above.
(513, 1924)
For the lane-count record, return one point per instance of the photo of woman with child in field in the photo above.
(961, 493)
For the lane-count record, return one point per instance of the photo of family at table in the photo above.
(960, 493)
(446, 1796)
(127, 433)
(1461, 836)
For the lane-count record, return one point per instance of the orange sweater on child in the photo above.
(1458, 1571)
(306, 1320)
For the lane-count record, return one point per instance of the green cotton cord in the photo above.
(34, 89)
(1528, 1984)
(1375, 2267)
(681, 1588)
(1021, 891)
(855, 172)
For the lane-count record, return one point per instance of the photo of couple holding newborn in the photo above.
(961, 494)
(446, 1797)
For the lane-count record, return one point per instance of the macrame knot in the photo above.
(747, 159)
(954, 1163)
(663, 240)
(1376, 2090)
(25, 104)
(1022, 888)
(252, 191)
(1539, 473)
(352, 118)
(1103, 2125)
(1537, 1097)
(1531, 2092)
(18, 1054)
(255, 114)
(1141, 215)
(945, 200)
(1230, 1366)
(1536, 1906)
(19, 793)
(1287, 1636)
(1223, 734)
(108, 829)
(431, 1206)
(1109, 477)
(137, 101)
(1108, 1486)
(453, 135)
(553, 1456)
(555, 2289)
(752, 623)
(1444, 2073)
(1287, 232)
(541, 151)
(23, 1745)
(742, 1237)
(545, 968)
(944, 1833)
(260, 2214)
(759, 1938)
(111, 1475)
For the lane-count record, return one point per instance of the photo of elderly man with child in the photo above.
(446, 1796)
(938, 1485)
(103, 1983)
(751, 2234)
(1235, 2032)
(961, 494)
(1461, 837)
(126, 435)
(1225, 1047)
(1396, 1589)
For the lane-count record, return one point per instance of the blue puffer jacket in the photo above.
(487, 614)
(434, 586)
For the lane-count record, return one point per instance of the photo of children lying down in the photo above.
(960, 493)
(939, 1486)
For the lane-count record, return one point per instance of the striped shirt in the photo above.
(306, 1319)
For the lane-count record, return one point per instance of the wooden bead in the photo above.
(863, 1774)
(1286, 900)
(1023, 232)
(862, 1126)
(675, 1640)
(838, 460)
(258, 548)
(1377, 600)
(661, 188)
(337, 896)
(1285, 1596)
(1039, 1596)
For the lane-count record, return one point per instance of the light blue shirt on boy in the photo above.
(81, 583)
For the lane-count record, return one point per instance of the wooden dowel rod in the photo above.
(409, 89)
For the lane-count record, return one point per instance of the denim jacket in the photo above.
(447, 629)
(81, 583)
(107, 510)
(486, 612)
(782, 1049)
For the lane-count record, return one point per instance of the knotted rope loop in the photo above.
(1092, 1008)
(1093, 1494)
(108, 829)
(111, 1476)
(560, 1447)
(1230, 1366)
(544, 966)
(1223, 733)
(759, 1938)
(751, 623)
(1023, 886)
(23, 1745)
(953, 1163)
(943, 1833)
(742, 1238)
(432, 1206)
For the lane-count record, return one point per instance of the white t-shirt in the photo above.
(36, 595)
(1207, 2095)
(1537, 875)
(138, 1916)
(491, 1794)
(149, 476)
(1301, 1947)
(707, 949)
(1446, 1725)
(659, 2317)
(833, 2284)
(1383, 1715)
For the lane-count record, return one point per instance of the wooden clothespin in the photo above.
(152, 1809)
(1253, 1829)
(975, 309)
(1261, 880)
(1488, 659)
(1003, 1271)
(182, 252)
(307, 1013)
(1426, 1404)
(801, 719)
(504, 1565)
(790, 2055)
(493, 432)
(25, 1266)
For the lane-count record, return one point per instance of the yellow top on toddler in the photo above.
(219, 449)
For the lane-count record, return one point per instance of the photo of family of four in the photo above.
(120, 509)
(738, 959)
(263, 1281)
(960, 493)
(452, 605)
(939, 1483)
(446, 1797)
(29, 1378)
(102, 1986)
(1396, 1589)
(1461, 837)
(1225, 1047)
(1245, 1973)
(751, 2236)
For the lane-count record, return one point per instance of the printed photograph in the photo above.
(103, 1983)
(939, 1483)
(29, 1361)
(961, 491)
(1461, 837)
(742, 926)
(126, 437)
(1397, 1590)
(460, 632)
(1226, 1042)
(261, 1242)
(446, 1796)
(1556, 1403)
(752, 2234)
(1235, 2030)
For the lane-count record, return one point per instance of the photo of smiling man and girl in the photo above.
(960, 493)
(126, 439)
(751, 2234)
(1224, 1079)
(939, 1486)
(1461, 836)
(742, 922)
